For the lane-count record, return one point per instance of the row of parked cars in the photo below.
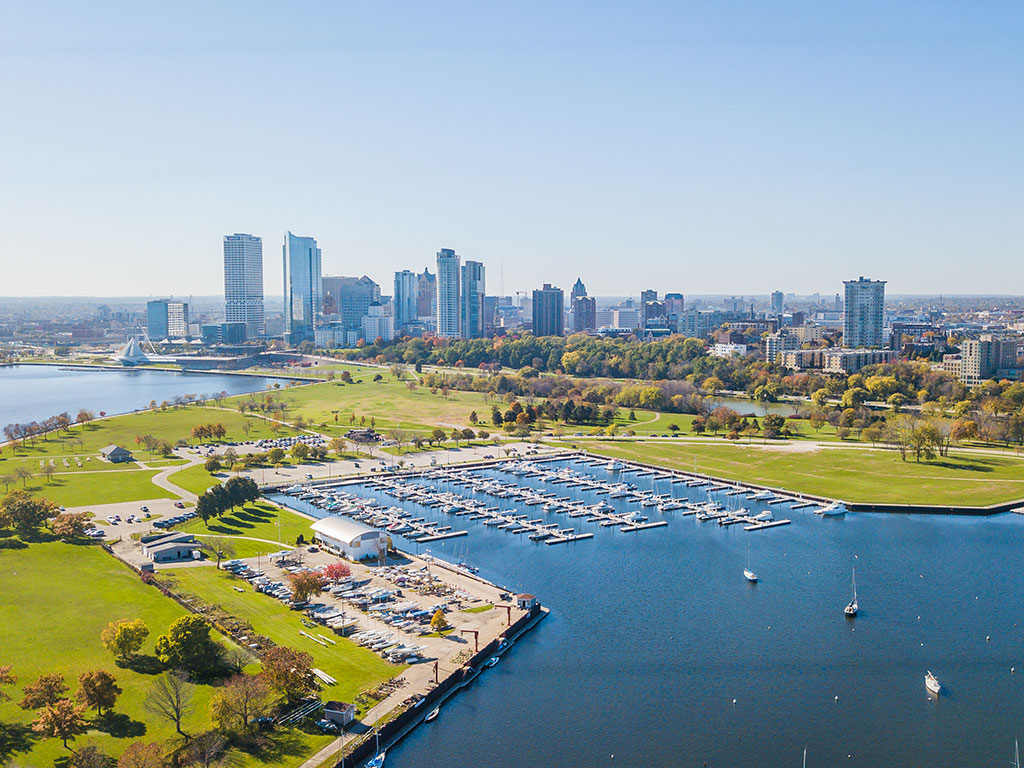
(170, 522)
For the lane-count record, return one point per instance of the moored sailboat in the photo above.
(852, 607)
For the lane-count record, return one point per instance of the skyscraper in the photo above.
(646, 297)
(243, 282)
(166, 319)
(303, 288)
(777, 302)
(578, 289)
(471, 317)
(582, 308)
(349, 297)
(863, 313)
(426, 296)
(548, 311)
(406, 296)
(448, 293)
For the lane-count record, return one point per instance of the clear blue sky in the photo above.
(713, 147)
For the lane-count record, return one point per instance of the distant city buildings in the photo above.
(583, 308)
(448, 294)
(406, 298)
(166, 319)
(776, 303)
(243, 283)
(471, 314)
(377, 324)
(426, 298)
(349, 298)
(548, 311)
(303, 288)
(863, 313)
(984, 358)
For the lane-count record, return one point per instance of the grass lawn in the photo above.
(57, 598)
(355, 668)
(851, 474)
(195, 479)
(77, 489)
(256, 521)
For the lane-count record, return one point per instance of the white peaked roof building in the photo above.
(349, 538)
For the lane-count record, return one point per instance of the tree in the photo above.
(306, 584)
(773, 425)
(241, 699)
(438, 621)
(8, 481)
(288, 672)
(212, 464)
(207, 750)
(437, 436)
(337, 571)
(6, 678)
(98, 689)
(275, 455)
(89, 757)
(188, 645)
(61, 720)
(70, 525)
(171, 699)
(139, 754)
(45, 691)
(300, 451)
(24, 513)
(218, 548)
(963, 429)
(124, 638)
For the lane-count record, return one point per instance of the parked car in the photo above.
(177, 504)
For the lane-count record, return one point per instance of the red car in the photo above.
(179, 505)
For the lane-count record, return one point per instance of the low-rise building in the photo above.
(349, 538)
(115, 454)
(728, 350)
(170, 547)
(339, 712)
(852, 360)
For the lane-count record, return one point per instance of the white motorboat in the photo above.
(831, 510)
(931, 682)
(765, 517)
(852, 607)
(433, 715)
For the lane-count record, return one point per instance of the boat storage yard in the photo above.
(550, 500)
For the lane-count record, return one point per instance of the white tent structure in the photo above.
(349, 538)
(132, 353)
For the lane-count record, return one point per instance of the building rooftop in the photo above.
(342, 528)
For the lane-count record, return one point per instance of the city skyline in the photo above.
(798, 139)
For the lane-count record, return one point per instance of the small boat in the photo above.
(432, 715)
(852, 607)
(931, 682)
(748, 574)
(832, 510)
(491, 662)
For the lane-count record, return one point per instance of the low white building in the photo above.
(349, 538)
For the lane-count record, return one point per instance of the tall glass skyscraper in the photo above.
(302, 288)
(406, 294)
(448, 294)
(472, 301)
(243, 283)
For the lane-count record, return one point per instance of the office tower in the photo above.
(448, 293)
(584, 314)
(777, 302)
(303, 288)
(243, 283)
(862, 316)
(548, 311)
(406, 298)
(426, 296)
(578, 290)
(349, 298)
(166, 319)
(471, 318)
(377, 324)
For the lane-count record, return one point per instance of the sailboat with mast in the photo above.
(748, 574)
(852, 607)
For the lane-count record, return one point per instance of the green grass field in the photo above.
(850, 474)
(195, 479)
(80, 489)
(256, 521)
(355, 668)
(57, 598)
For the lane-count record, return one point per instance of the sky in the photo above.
(712, 147)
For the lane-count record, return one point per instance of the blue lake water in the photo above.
(36, 392)
(654, 634)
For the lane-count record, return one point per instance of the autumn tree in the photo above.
(89, 757)
(188, 645)
(124, 637)
(438, 621)
(24, 513)
(239, 701)
(61, 720)
(140, 754)
(300, 451)
(337, 571)
(98, 689)
(70, 525)
(288, 672)
(46, 690)
(170, 698)
(6, 678)
(306, 584)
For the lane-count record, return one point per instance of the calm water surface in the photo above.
(654, 634)
(36, 392)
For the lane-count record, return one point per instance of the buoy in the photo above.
(987, 638)
(734, 702)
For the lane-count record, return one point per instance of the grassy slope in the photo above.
(84, 488)
(258, 521)
(57, 598)
(355, 668)
(849, 474)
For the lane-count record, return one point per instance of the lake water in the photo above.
(657, 651)
(36, 392)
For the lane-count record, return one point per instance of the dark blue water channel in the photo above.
(658, 652)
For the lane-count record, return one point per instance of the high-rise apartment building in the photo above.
(863, 313)
(303, 288)
(166, 319)
(548, 311)
(471, 312)
(243, 283)
(448, 293)
(349, 298)
(584, 314)
(406, 298)
(777, 302)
